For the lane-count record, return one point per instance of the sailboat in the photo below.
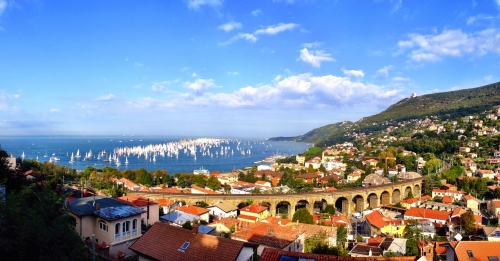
(117, 161)
(72, 159)
(77, 154)
(45, 156)
(126, 160)
(22, 156)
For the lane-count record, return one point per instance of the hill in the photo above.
(451, 104)
(318, 133)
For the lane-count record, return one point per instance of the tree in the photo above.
(497, 193)
(303, 216)
(187, 225)
(213, 183)
(330, 209)
(181, 182)
(341, 235)
(412, 234)
(33, 222)
(468, 222)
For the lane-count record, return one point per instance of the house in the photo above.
(494, 207)
(225, 225)
(151, 208)
(370, 163)
(426, 250)
(178, 218)
(493, 161)
(337, 178)
(472, 250)
(126, 183)
(492, 233)
(380, 224)
(201, 213)
(223, 210)
(410, 202)
(309, 177)
(271, 254)
(353, 177)
(375, 180)
(199, 190)
(464, 149)
(253, 213)
(448, 186)
(473, 144)
(486, 173)
(168, 205)
(471, 202)
(301, 159)
(436, 216)
(112, 221)
(164, 242)
(456, 195)
(408, 175)
(379, 246)
(242, 187)
(263, 185)
(274, 176)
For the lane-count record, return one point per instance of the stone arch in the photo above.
(385, 198)
(302, 204)
(283, 207)
(359, 203)
(342, 205)
(320, 204)
(270, 207)
(407, 191)
(372, 200)
(396, 196)
(417, 191)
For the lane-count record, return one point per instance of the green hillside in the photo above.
(318, 133)
(451, 104)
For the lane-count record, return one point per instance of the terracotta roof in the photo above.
(268, 173)
(247, 217)
(254, 208)
(427, 213)
(440, 250)
(277, 221)
(376, 219)
(268, 234)
(271, 254)
(225, 206)
(203, 190)
(166, 202)
(331, 189)
(162, 242)
(447, 199)
(308, 176)
(193, 210)
(496, 202)
(410, 200)
(480, 250)
(136, 201)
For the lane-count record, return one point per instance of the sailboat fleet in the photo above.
(191, 148)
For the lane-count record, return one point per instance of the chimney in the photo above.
(195, 229)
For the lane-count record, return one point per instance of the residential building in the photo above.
(456, 195)
(199, 190)
(164, 242)
(472, 250)
(201, 213)
(179, 218)
(126, 183)
(436, 216)
(410, 202)
(379, 246)
(486, 173)
(225, 225)
(111, 221)
(494, 207)
(426, 250)
(301, 159)
(253, 213)
(168, 205)
(471, 202)
(380, 224)
(309, 177)
(223, 210)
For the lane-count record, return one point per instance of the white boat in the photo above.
(72, 159)
(126, 160)
(45, 156)
(22, 156)
(77, 154)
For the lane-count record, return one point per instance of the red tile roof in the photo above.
(376, 219)
(267, 234)
(193, 210)
(136, 201)
(254, 208)
(447, 199)
(162, 242)
(247, 217)
(427, 213)
(480, 249)
(203, 190)
(166, 202)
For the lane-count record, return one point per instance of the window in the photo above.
(134, 224)
(103, 225)
(184, 247)
(469, 253)
(493, 258)
(126, 226)
(117, 229)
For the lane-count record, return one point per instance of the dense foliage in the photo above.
(303, 216)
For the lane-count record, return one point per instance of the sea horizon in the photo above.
(232, 153)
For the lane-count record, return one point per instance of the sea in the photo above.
(174, 154)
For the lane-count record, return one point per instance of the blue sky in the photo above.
(232, 68)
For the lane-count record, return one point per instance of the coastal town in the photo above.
(346, 200)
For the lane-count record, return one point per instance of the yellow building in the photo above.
(301, 159)
(253, 213)
(115, 224)
(380, 224)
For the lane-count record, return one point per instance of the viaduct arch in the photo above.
(346, 201)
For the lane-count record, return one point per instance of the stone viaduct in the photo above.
(346, 201)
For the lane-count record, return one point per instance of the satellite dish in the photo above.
(458, 237)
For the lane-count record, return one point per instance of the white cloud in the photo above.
(300, 91)
(3, 6)
(108, 97)
(194, 75)
(227, 27)
(233, 73)
(248, 37)
(137, 64)
(353, 73)
(274, 29)
(149, 103)
(316, 57)
(400, 79)
(160, 86)
(454, 43)
(256, 12)
(312, 45)
(397, 5)
(200, 85)
(383, 72)
(475, 19)
(54, 110)
(6, 100)
(195, 4)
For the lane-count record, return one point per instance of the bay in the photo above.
(231, 153)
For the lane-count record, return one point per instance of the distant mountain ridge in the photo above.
(450, 104)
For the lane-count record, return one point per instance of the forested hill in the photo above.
(455, 103)
(450, 105)
(318, 133)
